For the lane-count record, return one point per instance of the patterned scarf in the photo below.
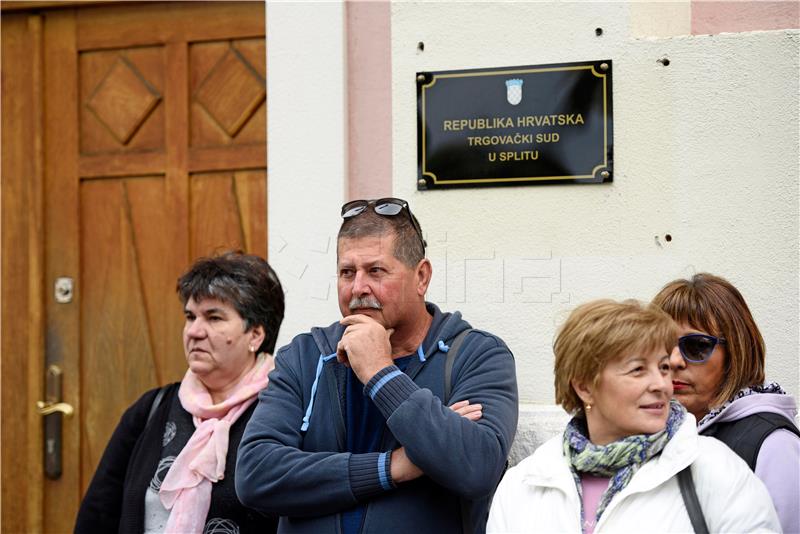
(771, 387)
(186, 489)
(620, 459)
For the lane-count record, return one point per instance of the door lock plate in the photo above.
(63, 290)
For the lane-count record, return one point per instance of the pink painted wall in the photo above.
(369, 99)
(744, 15)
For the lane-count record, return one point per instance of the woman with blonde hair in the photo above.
(630, 458)
(718, 375)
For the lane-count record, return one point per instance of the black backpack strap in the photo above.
(686, 483)
(467, 519)
(746, 435)
(156, 402)
(450, 360)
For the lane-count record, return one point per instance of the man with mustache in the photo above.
(360, 430)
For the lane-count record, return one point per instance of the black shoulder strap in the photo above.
(468, 510)
(452, 353)
(686, 483)
(156, 402)
(448, 363)
(746, 435)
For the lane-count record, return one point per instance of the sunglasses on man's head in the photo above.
(697, 348)
(388, 207)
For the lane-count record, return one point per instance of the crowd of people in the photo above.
(399, 417)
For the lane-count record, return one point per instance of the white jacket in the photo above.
(539, 494)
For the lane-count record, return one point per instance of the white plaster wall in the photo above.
(705, 150)
(307, 133)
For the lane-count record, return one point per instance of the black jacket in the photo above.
(114, 501)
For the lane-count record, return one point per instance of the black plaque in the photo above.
(538, 124)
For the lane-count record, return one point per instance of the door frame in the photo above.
(23, 288)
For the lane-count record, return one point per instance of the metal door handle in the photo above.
(47, 408)
(53, 410)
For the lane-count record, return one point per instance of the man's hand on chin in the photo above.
(364, 346)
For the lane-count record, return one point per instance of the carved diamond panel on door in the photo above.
(121, 100)
(228, 93)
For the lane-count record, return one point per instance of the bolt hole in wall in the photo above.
(664, 61)
(660, 242)
(421, 46)
(598, 31)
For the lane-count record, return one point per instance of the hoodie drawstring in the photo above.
(322, 359)
(307, 416)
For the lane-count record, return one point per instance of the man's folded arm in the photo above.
(274, 476)
(465, 456)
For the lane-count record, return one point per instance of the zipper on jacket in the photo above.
(333, 398)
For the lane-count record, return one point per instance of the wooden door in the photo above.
(154, 153)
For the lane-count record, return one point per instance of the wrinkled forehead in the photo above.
(368, 248)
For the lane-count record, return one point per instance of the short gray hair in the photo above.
(407, 244)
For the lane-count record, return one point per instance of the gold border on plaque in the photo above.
(425, 172)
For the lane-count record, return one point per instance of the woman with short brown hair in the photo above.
(617, 466)
(718, 369)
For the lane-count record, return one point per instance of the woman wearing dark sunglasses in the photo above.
(718, 375)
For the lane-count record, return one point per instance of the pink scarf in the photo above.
(186, 490)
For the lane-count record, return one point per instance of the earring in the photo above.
(588, 408)
(252, 348)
